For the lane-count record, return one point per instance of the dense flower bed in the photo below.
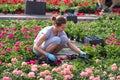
(17, 61)
(56, 6)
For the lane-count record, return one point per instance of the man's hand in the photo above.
(82, 53)
(100, 6)
(50, 56)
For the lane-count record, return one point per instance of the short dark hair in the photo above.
(59, 20)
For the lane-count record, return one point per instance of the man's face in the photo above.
(61, 28)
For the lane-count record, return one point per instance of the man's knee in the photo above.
(64, 39)
(56, 40)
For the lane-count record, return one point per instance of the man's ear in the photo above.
(55, 25)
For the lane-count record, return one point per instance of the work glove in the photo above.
(50, 56)
(110, 10)
(100, 6)
(84, 55)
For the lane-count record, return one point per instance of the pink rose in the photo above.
(24, 64)
(19, 57)
(114, 67)
(64, 65)
(67, 71)
(112, 78)
(16, 48)
(118, 77)
(91, 77)
(112, 34)
(94, 46)
(31, 74)
(84, 74)
(48, 77)
(15, 71)
(101, 13)
(70, 67)
(96, 78)
(63, 72)
(41, 79)
(67, 77)
(34, 69)
(42, 74)
(2, 53)
(105, 73)
(11, 35)
(0, 62)
(54, 70)
(6, 78)
(13, 60)
(89, 70)
(8, 49)
(19, 72)
(44, 65)
(47, 72)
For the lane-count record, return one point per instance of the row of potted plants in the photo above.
(18, 6)
(13, 9)
(98, 26)
(61, 6)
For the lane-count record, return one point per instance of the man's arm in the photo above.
(41, 40)
(113, 4)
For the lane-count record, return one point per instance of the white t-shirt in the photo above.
(48, 31)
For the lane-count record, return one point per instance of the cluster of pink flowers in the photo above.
(87, 72)
(114, 67)
(115, 78)
(8, 49)
(64, 70)
(28, 48)
(32, 62)
(31, 74)
(45, 73)
(34, 68)
(112, 40)
(6, 78)
(0, 62)
(94, 78)
(2, 33)
(13, 60)
(17, 46)
(18, 72)
(24, 64)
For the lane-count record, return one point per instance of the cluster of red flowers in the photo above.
(116, 10)
(11, 1)
(57, 2)
(84, 4)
